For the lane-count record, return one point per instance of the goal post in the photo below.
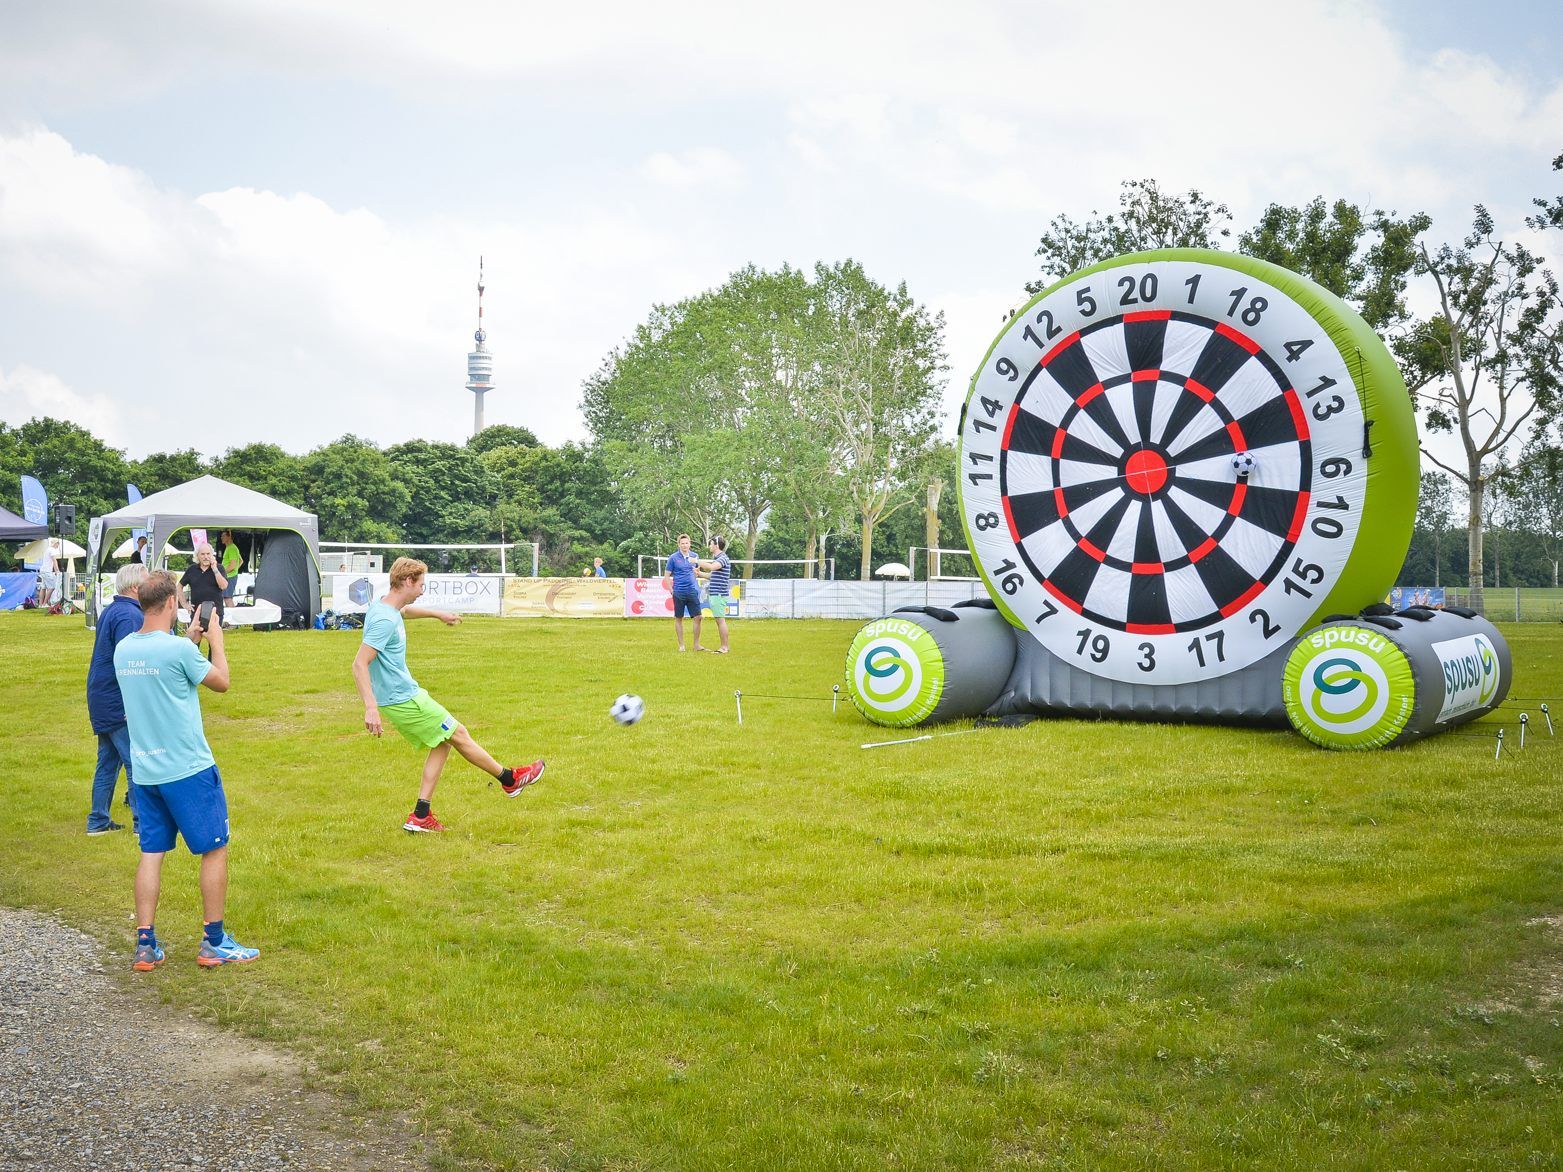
(348, 547)
(934, 561)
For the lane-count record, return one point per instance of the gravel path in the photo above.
(94, 1075)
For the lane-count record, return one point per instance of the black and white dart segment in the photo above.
(1162, 471)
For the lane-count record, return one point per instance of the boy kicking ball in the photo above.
(380, 671)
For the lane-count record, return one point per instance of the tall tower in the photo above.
(480, 363)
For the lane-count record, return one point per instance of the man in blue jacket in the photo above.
(105, 708)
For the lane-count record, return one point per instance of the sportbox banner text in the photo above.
(462, 593)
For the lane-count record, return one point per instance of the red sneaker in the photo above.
(425, 825)
(521, 778)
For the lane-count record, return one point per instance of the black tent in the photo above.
(14, 528)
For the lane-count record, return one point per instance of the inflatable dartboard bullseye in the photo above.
(1173, 463)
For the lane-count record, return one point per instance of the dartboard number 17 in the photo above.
(1161, 470)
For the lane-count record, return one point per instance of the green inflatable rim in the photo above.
(1389, 507)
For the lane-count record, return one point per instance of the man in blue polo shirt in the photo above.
(686, 590)
(105, 709)
(178, 789)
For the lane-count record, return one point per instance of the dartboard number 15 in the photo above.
(1161, 470)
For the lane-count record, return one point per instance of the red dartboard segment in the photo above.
(1242, 340)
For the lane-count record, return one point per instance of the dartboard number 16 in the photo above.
(1161, 469)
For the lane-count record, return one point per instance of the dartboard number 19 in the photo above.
(1161, 470)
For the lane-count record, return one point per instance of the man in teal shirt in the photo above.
(179, 791)
(385, 684)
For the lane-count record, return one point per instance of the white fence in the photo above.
(806, 599)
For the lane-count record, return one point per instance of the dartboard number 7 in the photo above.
(1161, 469)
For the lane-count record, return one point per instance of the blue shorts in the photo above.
(193, 806)
(686, 606)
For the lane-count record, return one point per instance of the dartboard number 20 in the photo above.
(1161, 469)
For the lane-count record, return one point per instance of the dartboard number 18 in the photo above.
(1161, 469)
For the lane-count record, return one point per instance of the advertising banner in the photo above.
(1470, 667)
(652, 598)
(35, 507)
(461, 593)
(572, 598)
(1430, 596)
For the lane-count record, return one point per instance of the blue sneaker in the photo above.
(230, 951)
(148, 957)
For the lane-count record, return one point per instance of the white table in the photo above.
(245, 616)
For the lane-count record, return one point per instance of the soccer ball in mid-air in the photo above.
(1243, 465)
(628, 709)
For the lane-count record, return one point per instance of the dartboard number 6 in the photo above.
(1161, 469)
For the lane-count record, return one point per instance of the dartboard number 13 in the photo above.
(1161, 470)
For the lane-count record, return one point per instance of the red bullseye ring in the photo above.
(1146, 471)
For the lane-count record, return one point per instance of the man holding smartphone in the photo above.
(178, 789)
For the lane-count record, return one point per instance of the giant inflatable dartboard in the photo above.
(1169, 467)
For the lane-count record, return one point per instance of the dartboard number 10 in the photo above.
(1161, 470)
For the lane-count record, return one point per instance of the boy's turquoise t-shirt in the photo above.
(158, 675)
(386, 632)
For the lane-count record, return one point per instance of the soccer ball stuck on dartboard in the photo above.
(628, 709)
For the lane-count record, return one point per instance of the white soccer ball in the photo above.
(1243, 465)
(628, 709)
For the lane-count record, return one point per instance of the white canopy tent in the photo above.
(213, 504)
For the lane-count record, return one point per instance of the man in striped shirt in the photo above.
(719, 572)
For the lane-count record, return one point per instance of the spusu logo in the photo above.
(1471, 675)
(888, 674)
(1343, 690)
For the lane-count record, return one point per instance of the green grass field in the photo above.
(699, 945)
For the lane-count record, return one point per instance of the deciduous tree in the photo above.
(1147, 217)
(1487, 362)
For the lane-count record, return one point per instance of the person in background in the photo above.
(105, 707)
(232, 559)
(178, 789)
(686, 590)
(140, 555)
(48, 579)
(719, 571)
(203, 581)
(597, 568)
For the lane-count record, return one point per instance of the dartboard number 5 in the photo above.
(1161, 469)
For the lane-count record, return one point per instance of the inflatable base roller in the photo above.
(1044, 682)
(1368, 681)
(925, 664)
(1376, 681)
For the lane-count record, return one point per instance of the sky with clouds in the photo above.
(260, 219)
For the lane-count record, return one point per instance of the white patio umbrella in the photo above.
(44, 546)
(128, 547)
(893, 570)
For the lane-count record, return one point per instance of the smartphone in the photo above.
(206, 614)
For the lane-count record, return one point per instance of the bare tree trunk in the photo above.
(868, 550)
(750, 540)
(931, 528)
(808, 553)
(1438, 550)
(1474, 569)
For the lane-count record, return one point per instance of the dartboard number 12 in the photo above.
(1161, 470)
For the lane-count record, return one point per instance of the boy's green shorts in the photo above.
(421, 721)
(718, 603)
